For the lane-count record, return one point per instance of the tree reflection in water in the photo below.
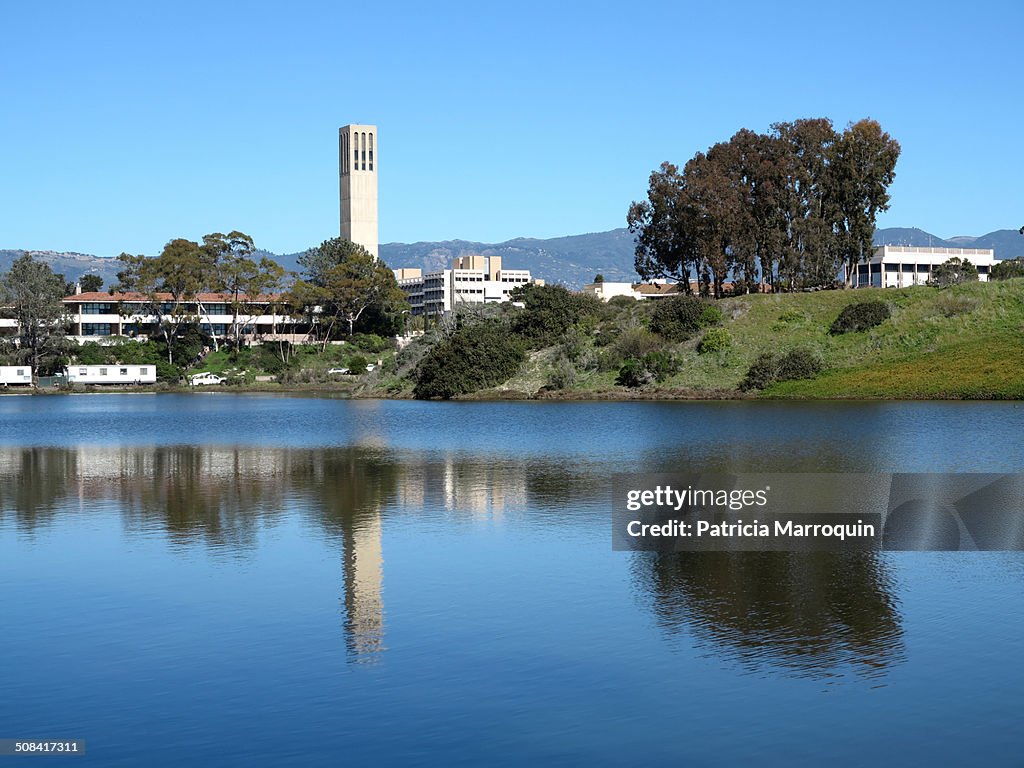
(818, 615)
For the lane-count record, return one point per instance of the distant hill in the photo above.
(572, 261)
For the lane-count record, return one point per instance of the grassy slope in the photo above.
(960, 342)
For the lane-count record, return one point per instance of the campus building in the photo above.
(900, 266)
(97, 315)
(471, 280)
(358, 160)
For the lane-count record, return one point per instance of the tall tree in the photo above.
(665, 242)
(347, 280)
(33, 293)
(235, 273)
(169, 283)
(91, 283)
(862, 167)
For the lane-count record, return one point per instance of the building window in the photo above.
(124, 371)
(96, 329)
(103, 371)
(142, 371)
(97, 308)
(82, 371)
(21, 372)
(371, 151)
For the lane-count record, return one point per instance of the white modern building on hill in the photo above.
(471, 280)
(900, 266)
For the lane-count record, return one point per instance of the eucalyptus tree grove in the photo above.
(786, 209)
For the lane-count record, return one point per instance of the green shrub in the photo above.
(636, 342)
(953, 271)
(622, 301)
(92, 353)
(357, 365)
(609, 360)
(661, 365)
(549, 311)
(1007, 269)
(472, 358)
(711, 315)
(679, 317)
(860, 317)
(951, 305)
(563, 376)
(771, 367)
(715, 340)
(798, 363)
(370, 342)
(633, 374)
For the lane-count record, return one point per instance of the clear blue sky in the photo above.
(126, 124)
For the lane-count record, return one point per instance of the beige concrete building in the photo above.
(358, 155)
(471, 280)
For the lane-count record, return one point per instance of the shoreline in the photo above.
(510, 396)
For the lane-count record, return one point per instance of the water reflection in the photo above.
(818, 615)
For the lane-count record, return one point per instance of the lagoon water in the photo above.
(221, 579)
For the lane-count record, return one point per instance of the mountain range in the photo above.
(572, 261)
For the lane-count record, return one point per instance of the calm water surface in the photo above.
(257, 580)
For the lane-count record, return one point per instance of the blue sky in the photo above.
(125, 126)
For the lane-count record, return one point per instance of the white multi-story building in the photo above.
(471, 280)
(900, 266)
(98, 315)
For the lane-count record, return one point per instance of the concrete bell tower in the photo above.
(358, 156)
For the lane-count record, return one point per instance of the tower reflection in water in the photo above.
(820, 615)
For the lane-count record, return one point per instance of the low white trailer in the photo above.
(110, 374)
(11, 375)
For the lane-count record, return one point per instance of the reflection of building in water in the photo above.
(363, 566)
(484, 489)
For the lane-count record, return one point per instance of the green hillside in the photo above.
(965, 341)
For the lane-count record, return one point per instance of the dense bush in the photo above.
(633, 374)
(472, 358)
(951, 305)
(269, 360)
(370, 342)
(624, 302)
(771, 367)
(563, 375)
(660, 365)
(715, 340)
(654, 366)
(636, 342)
(549, 311)
(953, 271)
(1008, 269)
(711, 315)
(860, 317)
(679, 317)
(798, 363)
(357, 365)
